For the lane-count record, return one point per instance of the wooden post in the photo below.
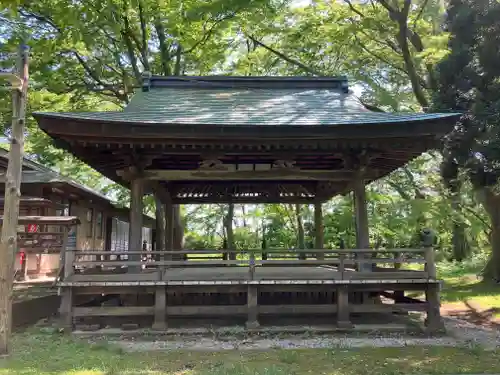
(252, 306)
(251, 265)
(430, 263)
(12, 193)
(169, 232)
(434, 321)
(160, 226)
(135, 228)
(343, 320)
(319, 237)
(399, 295)
(160, 322)
(66, 309)
(361, 212)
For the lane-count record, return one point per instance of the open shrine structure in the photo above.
(223, 139)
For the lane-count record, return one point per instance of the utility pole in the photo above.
(8, 245)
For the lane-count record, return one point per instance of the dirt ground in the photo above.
(472, 313)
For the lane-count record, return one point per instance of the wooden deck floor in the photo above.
(241, 275)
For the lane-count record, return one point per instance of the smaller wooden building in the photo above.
(44, 192)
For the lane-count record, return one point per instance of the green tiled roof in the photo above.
(247, 106)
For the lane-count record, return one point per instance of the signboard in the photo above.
(32, 228)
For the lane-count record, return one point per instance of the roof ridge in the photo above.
(248, 82)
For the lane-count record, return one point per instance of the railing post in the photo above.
(66, 308)
(430, 263)
(434, 322)
(398, 294)
(341, 268)
(251, 265)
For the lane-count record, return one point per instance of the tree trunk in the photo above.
(301, 241)
(461, 248)
(8, 246)
(491, 202)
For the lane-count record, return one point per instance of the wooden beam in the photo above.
(272, 174)
(247, 200)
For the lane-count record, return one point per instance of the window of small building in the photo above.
(89, 220)
(100, 225)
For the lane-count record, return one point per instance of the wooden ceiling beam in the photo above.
(275, 174)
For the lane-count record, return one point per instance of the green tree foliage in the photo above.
(469, 82)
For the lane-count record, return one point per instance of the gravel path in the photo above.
(470, 334)
(460, 333)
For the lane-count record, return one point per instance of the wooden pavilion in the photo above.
(222, 139)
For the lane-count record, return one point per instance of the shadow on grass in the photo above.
(53, 354)
(454, 291)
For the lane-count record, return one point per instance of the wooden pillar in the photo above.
(319, 237)
(361, 215)
(160, 226)
(252, 306)
(160, 322)
(169, 231)
(136, 221)
(343, 320)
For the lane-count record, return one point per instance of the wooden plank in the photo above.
(247, 251)
(108, 263)
(298, 309)
(41, 250)
(214, 310)
(288, 174)
(231, 310)
(180, 263)
(297, 262)
(46, 220)
(386, 275)
(114, 311)
(35, 202)
(387, 308)
(391, 260)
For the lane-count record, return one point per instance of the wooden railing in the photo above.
(390, 263)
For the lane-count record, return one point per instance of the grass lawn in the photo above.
(463, 287)
(38, 353)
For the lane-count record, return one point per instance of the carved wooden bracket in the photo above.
(284, 164)
(212, 165)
